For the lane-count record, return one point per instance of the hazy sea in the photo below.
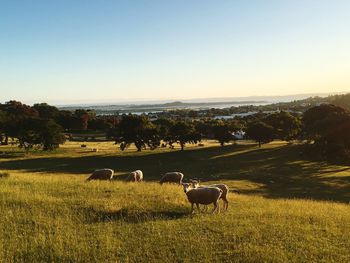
(145, 109)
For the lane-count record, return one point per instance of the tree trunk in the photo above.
(182, 146)
(259, 144)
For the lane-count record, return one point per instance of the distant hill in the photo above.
(296, 102)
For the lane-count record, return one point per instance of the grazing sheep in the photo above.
(223, 187)
(203, 196)
(135, 176)
(102, 174)
(172, 177)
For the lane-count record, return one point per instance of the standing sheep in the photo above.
(135, 176)
(172, 177)
(102, 174)
(223, 187)
(203, 196)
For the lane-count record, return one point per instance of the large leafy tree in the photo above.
(15, 113)
(327, 127)
(286, 126)
(83, 117)
(260, 132)
(183, 132)
(46, 111)
(137, 130)
(40, 132)
(163, 127)
(319, 120)
(222, 133)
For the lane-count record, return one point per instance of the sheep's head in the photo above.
(187, 187)
(195, 183)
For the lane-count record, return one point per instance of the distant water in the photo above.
(145, 109)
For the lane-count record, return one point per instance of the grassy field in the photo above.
(288, 208)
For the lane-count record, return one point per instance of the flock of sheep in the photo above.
(196, 194)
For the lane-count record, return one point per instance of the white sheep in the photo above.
(223, 187)
(203, 196)
(135, 176)
(172, 177)
(102, 174)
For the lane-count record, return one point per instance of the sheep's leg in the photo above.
(198, 207)
(205, 208)
(225, 203)
(216, 207)
(192, 208)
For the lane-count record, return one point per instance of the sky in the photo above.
(72, 51)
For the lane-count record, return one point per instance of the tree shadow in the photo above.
(281, 171)
(130, 216)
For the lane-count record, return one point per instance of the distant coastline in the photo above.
(193, 104)
(148, 108)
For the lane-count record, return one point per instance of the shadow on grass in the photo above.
(131, 216)
(281, 171)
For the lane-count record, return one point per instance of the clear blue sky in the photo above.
(81, 50)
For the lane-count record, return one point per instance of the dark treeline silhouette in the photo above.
(324, 128)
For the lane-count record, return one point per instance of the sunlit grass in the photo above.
(50, 218)
(49, 213)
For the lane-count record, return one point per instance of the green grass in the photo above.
(288, 209)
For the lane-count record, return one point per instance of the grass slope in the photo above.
(50, 214)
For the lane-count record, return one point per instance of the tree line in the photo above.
(324, 128)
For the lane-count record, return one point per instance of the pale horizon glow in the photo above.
(93, 51)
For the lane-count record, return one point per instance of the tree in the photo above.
(2, 123)
(260, 132)
(286, 126)
(15, 113)
(182, 133)
(137, 130)
(46, 111)
(327, 128)
(83, 116)
(335, 145)
(52, 135)
(318, 120)
(163, 127)
(99, 124)
(222, 133)
(40, 132)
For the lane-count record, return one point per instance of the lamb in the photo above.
(223, 187)
(102, 174)
(204, 196)
(135, 176)
(172, 177)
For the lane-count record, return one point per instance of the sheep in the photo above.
(102, 174)
(135, 176)
(172, 177)
(204, 196)
(223, 187)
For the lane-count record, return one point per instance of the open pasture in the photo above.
(288, 208)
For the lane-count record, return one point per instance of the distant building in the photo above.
(239, 135)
